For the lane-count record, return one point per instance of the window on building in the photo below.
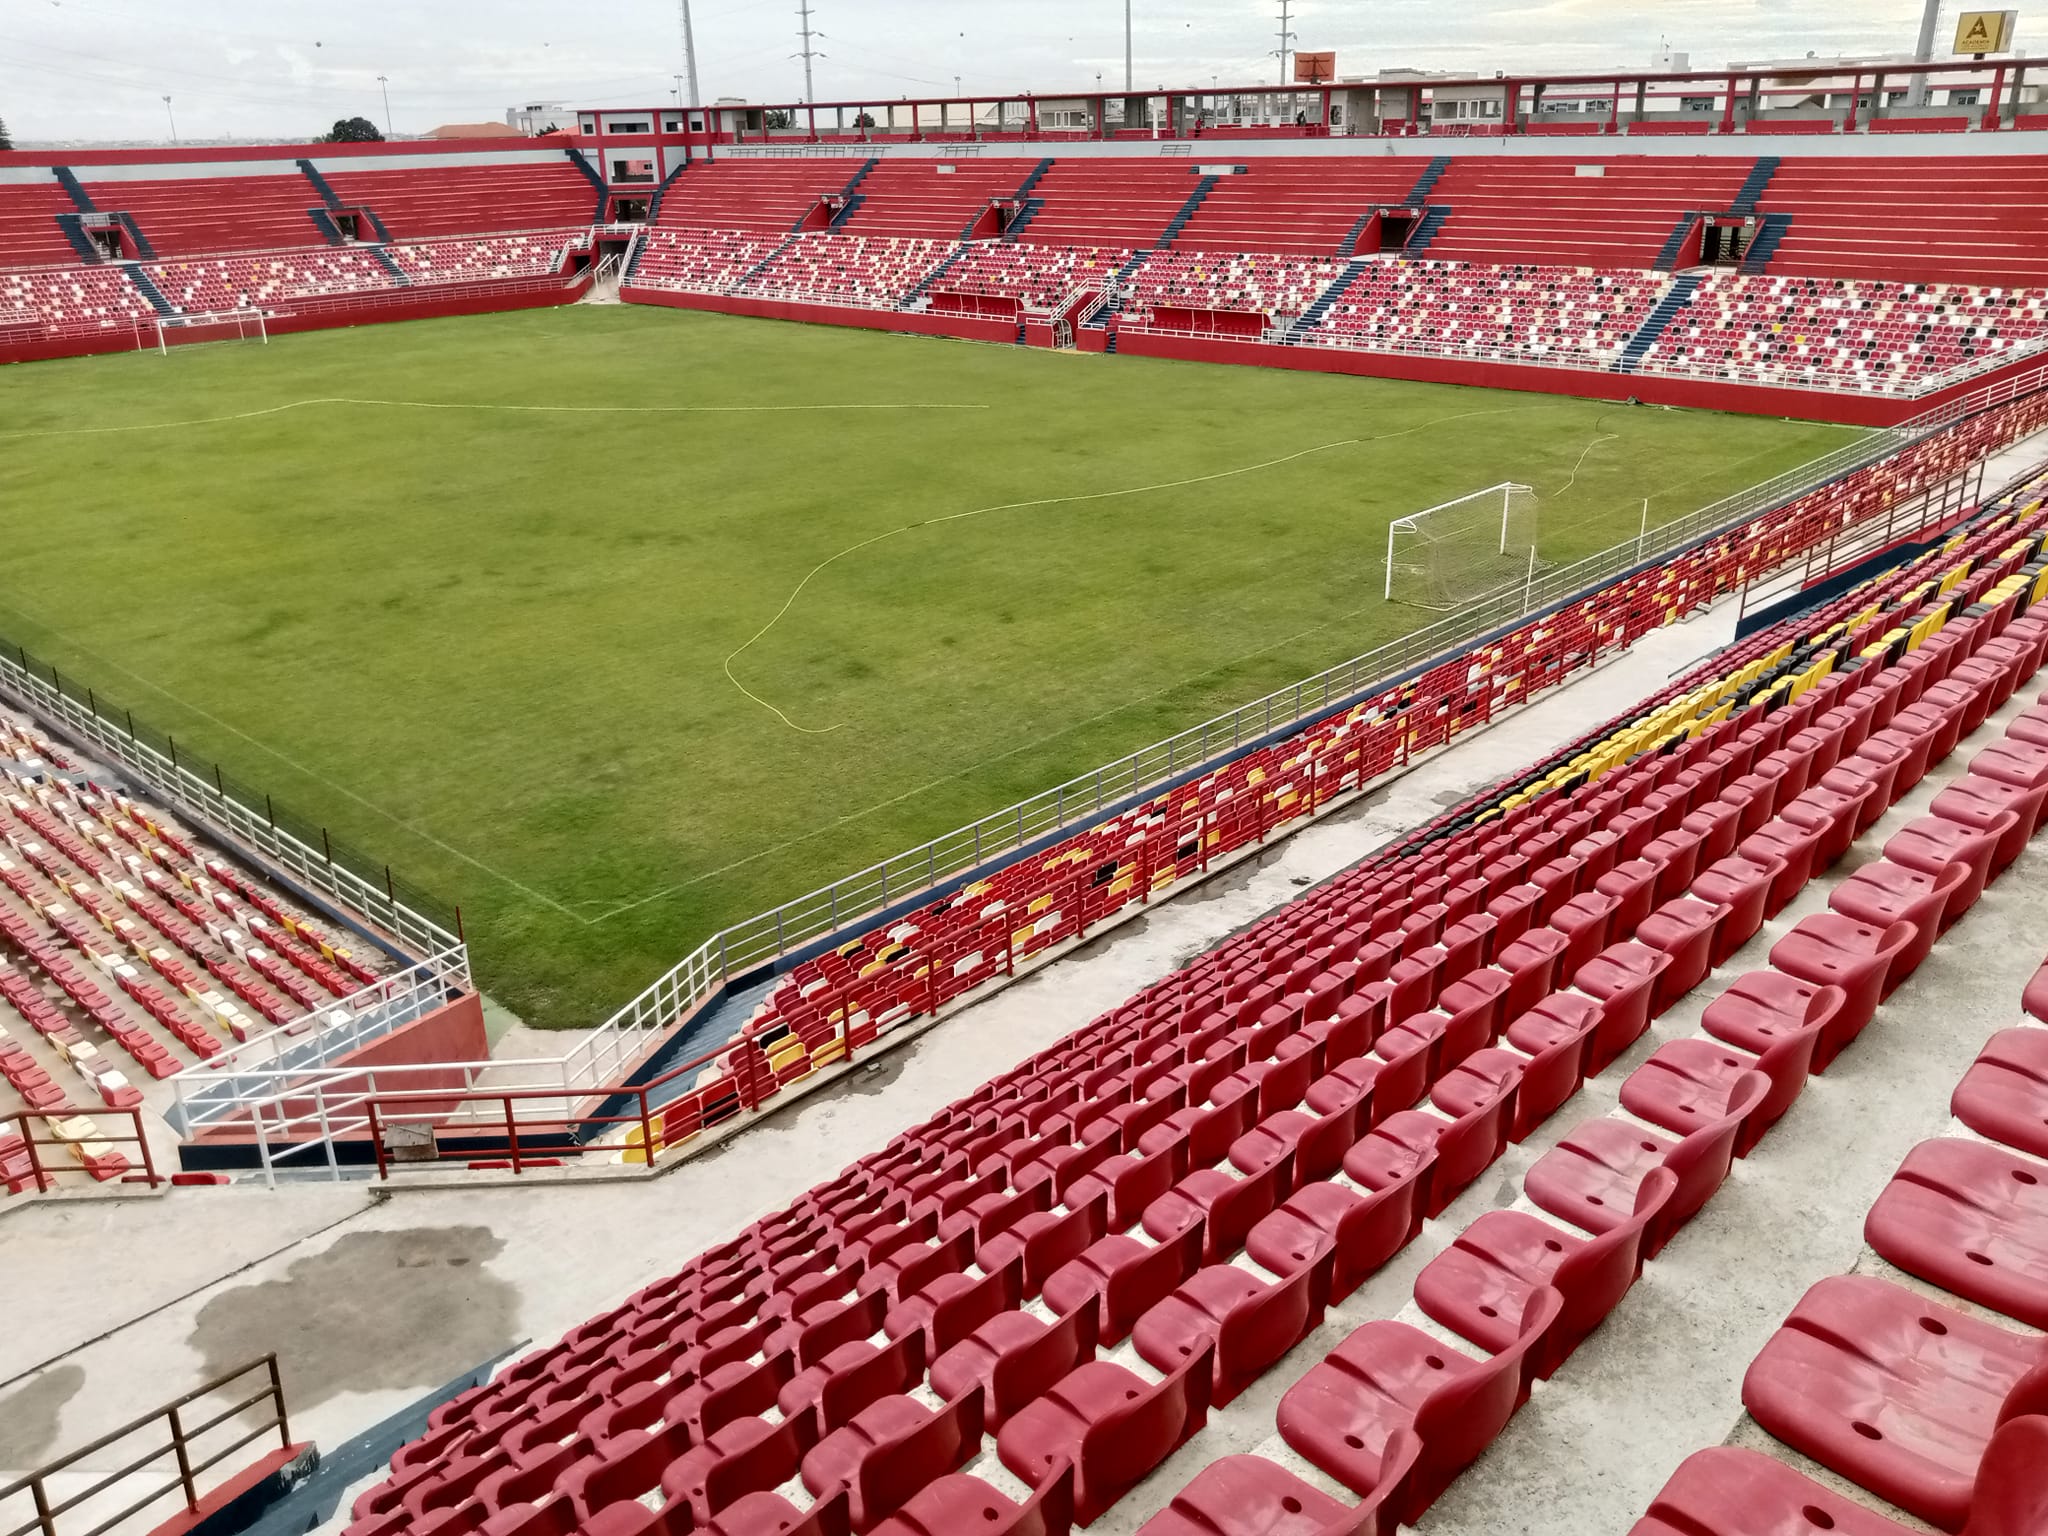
(1968, 98)
(1695, 103)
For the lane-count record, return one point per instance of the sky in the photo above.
(90, 70)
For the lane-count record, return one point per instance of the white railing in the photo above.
(207, 803)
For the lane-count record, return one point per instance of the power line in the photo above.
(809, 53)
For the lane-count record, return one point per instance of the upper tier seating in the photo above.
(931, 199)
(759, 196)
(1177, 280)
(29, 233)
(1546, 211)
(849, 269)
(1956, 219)
(1035, 277)
(1295, 207)
(77, 302)
(202, 216)
(1109, 202)
(1837, 333)
(494, 258)
(701, 260)
(422, 201)
(237, 282)
(1574, 318)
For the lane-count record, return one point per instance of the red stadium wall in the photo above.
(965, 327)
(1655, 389)
(327, 315)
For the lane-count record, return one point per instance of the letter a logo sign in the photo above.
(1984, 31)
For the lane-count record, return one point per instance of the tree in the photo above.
(778, 118)
(354, 130)
(5, 142)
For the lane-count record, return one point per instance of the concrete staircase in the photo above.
(1753, 185)
(1433, 219)
(1187, 211)
(1676, 297)
(1768, 235)
(151, 292)
(1311, 317)
(1667, 254)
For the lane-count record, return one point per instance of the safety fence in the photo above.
(169, 1449)
(79, 1135)
(828, 1009)
(412, 919)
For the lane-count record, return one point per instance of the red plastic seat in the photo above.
(1251, 1496)
(1743, 885)
(891, 1449)
(1623, 978)
(1132, 1180)
(854, 1375)
(1685, 929)
(1832, 813)
(1316, 1142)
(1461, 1148)
(1728, 1491)
(1585, 922)
(1361, 1232)
(1557, 1036)
(1791, 848)
(951, 1505)
(1531, 963)
(1112, 1425)
(1633, 887)
(1248, 1323)
(1688, 1083)
(2004, 1095)
(1388, 1377)
(1894, 1392)
(1831, 950)
(1013, 1357)
(769, 1514)
(1973, 1219)
(1480, 1286)
(1765, 1008)
(1514, 912)
(1933, 843)
(1592, 1176)
(1882, 893)
(1225, 1207)
(1125, 1278)
(2008, 812)
(2022, 764)
(749, 1455)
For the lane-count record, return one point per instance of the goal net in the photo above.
(217, 325)
(1446, 556)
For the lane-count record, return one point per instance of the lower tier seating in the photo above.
(75, 301)
(1014, 1313)
(244, 282)
(494, 258)
(1570, 316)
(1025, 277)
(1173, 283)
(1833, 333)
(867, 272)
(701, 260)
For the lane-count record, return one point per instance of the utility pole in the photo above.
(689, 55)
(1923, 51)
(1286, 38)
(1127, 47)
(173, 117)
(384, 85)
(804, 16)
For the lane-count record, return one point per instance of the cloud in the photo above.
(285, 68)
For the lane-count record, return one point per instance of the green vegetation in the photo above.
(491, 645)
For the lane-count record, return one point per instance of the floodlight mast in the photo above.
(1127, 47)
(690, 54)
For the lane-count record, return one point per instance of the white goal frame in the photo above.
(250, 325)
(1413, 522)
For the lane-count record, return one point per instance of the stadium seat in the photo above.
(1251, 1496)
(1972, 1219)
(2004, 1095)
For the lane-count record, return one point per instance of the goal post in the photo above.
(209, 326)
(1451, 554)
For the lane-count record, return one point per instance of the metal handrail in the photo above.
(180, 1445)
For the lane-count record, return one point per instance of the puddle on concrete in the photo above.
(28, 1416)
(373, 1311)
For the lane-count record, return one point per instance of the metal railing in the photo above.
(180, 1441)
(93, 1150)
(303, 850)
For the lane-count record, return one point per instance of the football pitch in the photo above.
(617, 625)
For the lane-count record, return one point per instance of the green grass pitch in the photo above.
(491, 645)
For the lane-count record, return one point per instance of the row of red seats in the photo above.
(1931, 1408)
(794, 1351)
(918, 964)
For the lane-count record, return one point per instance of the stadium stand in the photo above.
(30, 235)
(756, 196)
(1176, 289)
(1837, 331)
(129, 943)
(930, 199)
(1110, 202)
(233, 282)
(208, 216)
(1010, 279)
(1610, 213)
(1972, 221)
(1045, 1290)
(848, 269)
(426, 200)
(494, 258)
(75, 301)
(1573, 316)
(701, 261)
(1295, 207)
